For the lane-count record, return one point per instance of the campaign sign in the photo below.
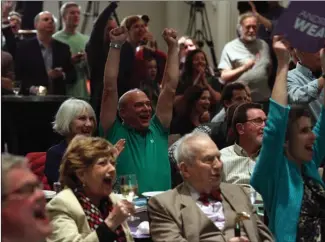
(303, 25)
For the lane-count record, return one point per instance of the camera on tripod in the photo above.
(203, 34)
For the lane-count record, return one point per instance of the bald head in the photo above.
(135, 109)
(129, 96)
(44, 22)
(38, 16)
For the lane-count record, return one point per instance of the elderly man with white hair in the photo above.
(23, 213)
(247, 59)
(202, 208)
(145, 153)
(74, 117)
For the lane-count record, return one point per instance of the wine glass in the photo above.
(16, 87)
(129, 189)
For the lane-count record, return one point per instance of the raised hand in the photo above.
(251, 3)
(322, 59)
(170, 36)
(281, 48)
(6, 8)
(118, 35)
(119, 147)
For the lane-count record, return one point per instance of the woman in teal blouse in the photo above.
(286, 173)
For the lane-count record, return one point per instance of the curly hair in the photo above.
(82, 153)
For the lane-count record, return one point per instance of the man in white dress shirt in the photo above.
(202, 209)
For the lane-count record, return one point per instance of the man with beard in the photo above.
(146, 136)
(23, 214)
(239, 159)
(70, 14)
(247, 59)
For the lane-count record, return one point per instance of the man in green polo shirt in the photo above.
(146, 148)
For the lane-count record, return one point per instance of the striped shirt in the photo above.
(237, 165)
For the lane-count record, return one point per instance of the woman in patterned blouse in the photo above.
(87, 210)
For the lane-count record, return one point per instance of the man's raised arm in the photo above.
(110, 96)
(164, 110)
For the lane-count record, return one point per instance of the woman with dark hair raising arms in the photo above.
(286, 173)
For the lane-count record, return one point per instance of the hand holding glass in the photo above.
(129, 189)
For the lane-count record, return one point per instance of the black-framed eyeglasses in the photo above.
(26, 190)
(257, 121)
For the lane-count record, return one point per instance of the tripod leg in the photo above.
(60, 17)
(86, 16)
(191, 22)
(208, 36)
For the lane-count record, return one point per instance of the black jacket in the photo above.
(30, 68)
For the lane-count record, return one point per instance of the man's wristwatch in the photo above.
(115, 45)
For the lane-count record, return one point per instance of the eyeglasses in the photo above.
(257, 121)
(26, 190)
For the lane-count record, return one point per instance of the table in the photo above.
(27, 122)
(134, 224)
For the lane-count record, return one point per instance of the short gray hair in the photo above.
(67, 112)
(185, 151)
(8, 163)
(36, 19)
(244, 16)
(67, 5)
(13, 13)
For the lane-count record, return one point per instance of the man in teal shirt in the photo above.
(70, 14)
(146, 148)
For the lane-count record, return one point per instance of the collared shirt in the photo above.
(145, 154)
(238, 168)
(47, 55)
(237, 165)
(303, 89)
(214, 211)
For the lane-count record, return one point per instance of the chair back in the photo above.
(37, 165)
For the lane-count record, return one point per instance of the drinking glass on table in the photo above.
(16, 87)
(129, 189)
